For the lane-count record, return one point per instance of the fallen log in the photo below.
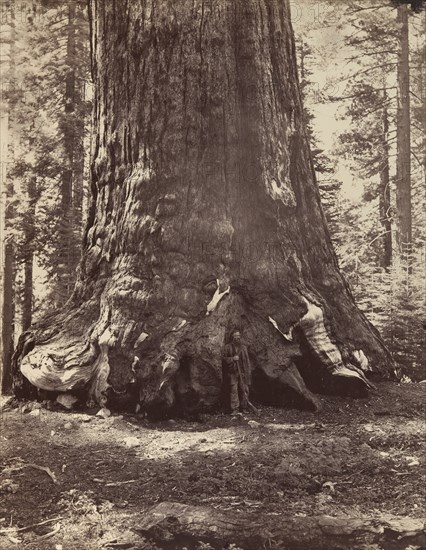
(177, 525)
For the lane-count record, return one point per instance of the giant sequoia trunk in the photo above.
(205, 216)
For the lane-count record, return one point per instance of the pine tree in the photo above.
(364, 233)
(52, 118)
(379, 143)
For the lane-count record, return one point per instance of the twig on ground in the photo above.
(43, 469)
(14, 540)
(116, 483)
(354, 474)
(56, 530)
(29, 527)
(115, 544)
(37, 467)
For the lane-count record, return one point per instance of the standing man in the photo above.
(238, 372)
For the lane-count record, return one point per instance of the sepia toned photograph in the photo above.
(213, 274)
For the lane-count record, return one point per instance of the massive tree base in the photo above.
(205, 216)
(176, 524)
(178, 369)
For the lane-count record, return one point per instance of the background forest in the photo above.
(362, 73)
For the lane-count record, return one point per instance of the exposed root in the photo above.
(60, 366)
(178, 365)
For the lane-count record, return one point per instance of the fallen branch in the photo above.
(172, 522)
(29, 527)
(115, 544)
(55, 531)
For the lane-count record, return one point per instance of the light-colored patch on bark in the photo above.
(101, 368)
(361, 360)
(180, 325)
(133, 367)
(50, 370)
(288, 336)
(169, 367)
(142, 337)
(217, 297)
(313, 327)
(280, 191)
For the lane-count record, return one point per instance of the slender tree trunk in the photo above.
(68, 199)
(205, 216)
(403, 166)
(79, 94)
(385, 195)
(9, 264)
(29, 235)
(78, 192)
(80, 121)
(303, 79)
(27, 303)
(8, 314)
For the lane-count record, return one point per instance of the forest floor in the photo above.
(91, 479)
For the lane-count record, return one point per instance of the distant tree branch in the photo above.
(416, 158)
(386, 103)
(367, 70)
(416, 96)
(378, 237)
(417, 127)
(369, 53)
(342, 98)
(358, 9)
(348, 39)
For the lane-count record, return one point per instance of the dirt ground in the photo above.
(89, 480)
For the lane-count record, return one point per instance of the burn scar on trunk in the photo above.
(313, 327)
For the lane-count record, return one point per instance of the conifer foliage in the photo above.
(46, 92)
